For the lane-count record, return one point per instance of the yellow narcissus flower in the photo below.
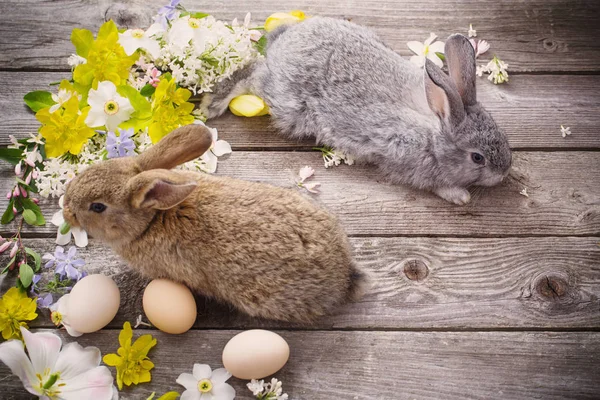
(274, 20)
(15, 309)
(64, 130)
(248, 105)
(170, 109)
(131, 361)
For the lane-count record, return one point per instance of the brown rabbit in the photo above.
(268, 251)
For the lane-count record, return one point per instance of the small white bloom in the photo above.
(61, 98)
(49, 373)
(217, 149)
(138, 322)
(205, 384)
(75, 60)
(565, 131)
(428, 49)
(333, 157)
(247, 20)
(472, 32)
(524, 192)
(80, 236)
(38, 139)
(497, 70)
(305, 173)
(133, 39)
(14, 143)
(58, 315)
(256, 387)
(33, 156)
(312, 186)
(108, 108)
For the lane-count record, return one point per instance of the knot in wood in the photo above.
(128, 16)
(552, 287)
(549, 45)
(416, 270)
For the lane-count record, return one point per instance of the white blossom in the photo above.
(472, 32)
(497, 70)
(428, 49)
(75, 60)
(565, 131)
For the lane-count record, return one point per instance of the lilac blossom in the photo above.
(122, 145)
(65, 263)
(45, 300)
(35, 280)
(167, 13)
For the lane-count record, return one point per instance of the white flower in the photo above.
(133, 39)
(75, 60)
(58, 219)
(33, 156)
(138, 322)
(217, 149)
(565, 131)
(39, 139)
(428, 49)
(62, 97)
(480, 46)
(305, 173)
(205, 384)
(497, 70)
(58, 315)
(270, 391)
(108, 108)
(312, 186)
(14, 143)
(256, 387)
(188, 28)
(333, 157)
(472, 32)
(71, 374)
(524, 192)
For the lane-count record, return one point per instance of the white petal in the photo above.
(129, 43)
(115, 395)
(430, 39)
(437, 47)
(107, 89)
(223, 391)
(96, 118)
(312, 187)
(74, 360)
(152, 47)
(94, 384)
(416, 47)
(191, 394)
(81, 238)
(221, 147)
(201, 371)
(54, 108)
(13, 355)
(154, 29)
(61, 202)
(43, 349)
(63, 240)
(210, 160)
(436, 60)
(418, 60)
(58, 218)
(188, 381)
(219, 375)
(95, 99)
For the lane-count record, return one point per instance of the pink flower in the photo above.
(154, 76)
(480, 46)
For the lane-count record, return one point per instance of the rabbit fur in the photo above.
(339, 83)
(267, 251)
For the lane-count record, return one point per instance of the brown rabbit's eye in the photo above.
(97, 207)
(477, 158)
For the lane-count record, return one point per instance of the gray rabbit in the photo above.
(338, 82)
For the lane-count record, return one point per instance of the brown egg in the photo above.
(255, 354)
(93, 303)
(169, 306)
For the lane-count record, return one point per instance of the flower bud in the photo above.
(18, 170)
(36, 201)
(4, 246)
(16, 191)
(9, 195)
(13, 251)
(28, 179)
(23, 191)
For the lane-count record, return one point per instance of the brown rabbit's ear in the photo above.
(460, 56)
(178, 147)
(159, 189)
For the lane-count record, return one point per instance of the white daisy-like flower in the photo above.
(187, 28)
(205, 384)
(133, 39)
(472, 32)
(108, 108)
(62, 239)
(428, 49)
(217, 149)
(565, 131)
(58, 315)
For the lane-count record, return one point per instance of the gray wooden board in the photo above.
(538, 35)
(564, 196)
(385, 365)
(530, 109)
(419, 283)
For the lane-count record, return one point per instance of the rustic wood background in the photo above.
(497, 299)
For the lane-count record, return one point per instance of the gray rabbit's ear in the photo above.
(460, 57)
(159, 189)
(442, 96)
(178, 147)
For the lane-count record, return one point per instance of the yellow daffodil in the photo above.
(170, 109)
(274, 20)
(64, 130)
(131, 361)
(15, 309)
(248, 105)
(106, 59)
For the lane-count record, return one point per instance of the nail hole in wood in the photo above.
(416, 270)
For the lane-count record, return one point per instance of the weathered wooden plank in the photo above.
(535, 35)
(421, 283)
(386, 365)
(530, 109)
(564, 197)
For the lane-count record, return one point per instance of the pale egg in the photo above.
(255, 354)
(169, 306)
(93, 303)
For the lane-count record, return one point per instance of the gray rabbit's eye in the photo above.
(97, 207)
(478, 158)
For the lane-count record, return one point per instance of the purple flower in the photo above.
(122, 145)
(167, 13)
(44, 301)
(36, 279)
(66, 264)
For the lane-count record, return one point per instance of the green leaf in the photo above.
(38, 99)
(28, 204)
(64, 228)
(261, 45)
(197, 15)
(12, 156)
(82, 40)
(25, 275)
(39, 219)
(440, 55)
(137, 100)
(29, 217)
(169, 396)
(5, 270)
(147, 90)
(9, 214)
(36, 257)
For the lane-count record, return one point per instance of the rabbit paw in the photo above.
(454, 195)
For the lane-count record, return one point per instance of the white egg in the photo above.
(255, 354)
(93, 303)
(169, 306)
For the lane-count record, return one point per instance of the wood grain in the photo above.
(385, 365)
(536, 35)
(564, 197)
(530, 109)
(527, 283)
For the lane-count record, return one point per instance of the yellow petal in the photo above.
(248, 105)
(298, 14)
(274, 20)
